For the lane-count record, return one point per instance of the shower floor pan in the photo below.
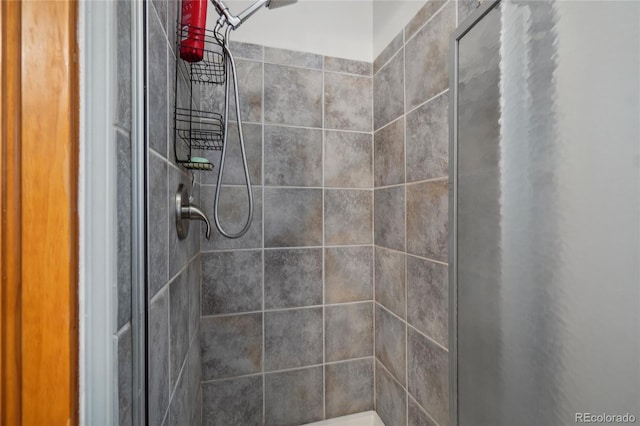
(368, 418)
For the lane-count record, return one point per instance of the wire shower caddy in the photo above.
(194, 128)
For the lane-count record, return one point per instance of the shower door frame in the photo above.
(456, 36)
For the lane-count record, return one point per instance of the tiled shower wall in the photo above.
(287, 310)
(411, 140)
(174, 268)
(122, 135)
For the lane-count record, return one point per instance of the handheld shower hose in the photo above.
(233, 22)
(231, 72)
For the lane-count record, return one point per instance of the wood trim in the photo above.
(10, 231)
(39, 230)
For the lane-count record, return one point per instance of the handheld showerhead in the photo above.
(274, 4)
(236, 21)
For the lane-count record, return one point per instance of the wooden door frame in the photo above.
(39, 203)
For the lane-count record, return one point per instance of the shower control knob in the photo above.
(186, 211)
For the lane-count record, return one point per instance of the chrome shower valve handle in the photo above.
(186, 211)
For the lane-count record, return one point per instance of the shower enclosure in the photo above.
(545, 219)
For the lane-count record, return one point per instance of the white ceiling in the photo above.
(353, 29)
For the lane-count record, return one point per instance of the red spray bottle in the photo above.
(192, 29)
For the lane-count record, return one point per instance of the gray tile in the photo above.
(389, 154)
(388, 52)
(292, 96)
(347, 102)
(173, 13)
(250, 88)
(233, 210)
(157, 99)
(348, 217)
(293, 217)
(160, 6)
(390, 280)
(125, 378)
(428, 298)
(232, 402)
(418, 417)
(158, 354)
(175, 89)
(292, 338)
(194, 280)
(427, 219)
(427, 68)
(292, 58)
(348, 331)
(158, 217)
(388, 91)
(179, 407)
(181, 251)
(292, 157)
(428, 140)
(179, 323)
(292, 278)
(124, 228)
(293, 397)
(246, 50)
(391, 399)
(429, 376)
(348, 159)
(389, 217)
(123, 105)
(390, 343)
(231, 282)
(231, 345)
(348, 274)
(466, 8)
(347, 66)
(233, 165)
(349, 387)
(423, 15)
(197, 416)
(194, 381)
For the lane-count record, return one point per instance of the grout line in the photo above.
(420, 407)
(437, 179)
(404, 258)
(124, 132)
(183, 268)
(384, 367)
(292, 126)
(350, 74)
(226, 379)
(293, 66)
(275, 310)
(436, 13)
(264, 384)
(286, 370)
(324, 349)
(336, 188)
(230, 250)
(428, 338)
(373, 237)
(118, 334)
(427, 259)
(433, 98)
(389, 123)
(157, 154)
(413, 255)
(344, 361)
(392, 56)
